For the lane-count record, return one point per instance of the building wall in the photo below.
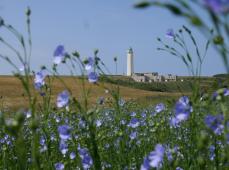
(153, 77)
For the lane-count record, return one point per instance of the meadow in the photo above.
(13, 95)
(89, 120)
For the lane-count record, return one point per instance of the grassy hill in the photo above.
(206, 83)
(12, 93)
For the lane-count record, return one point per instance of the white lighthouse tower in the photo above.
(130, 62)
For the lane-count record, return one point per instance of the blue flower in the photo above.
(133, 135)
(64, 132)
(89, 63)
(59, 54)
(215, 95)
(39, 79)
(72, 155)
(98, 123)
(215, 123)
(145, 165)
(217, 6)
(93, 77)
(179, 168)
(143, 114)
(226, 92)
(86, 159)
(121, 102)
(170, 33)
(159, 107)
(183, 106)
(174, 122)
(154, 159)
(212, 152)
(59, 166)
(183, 109)
(28, 114)
(42, 140)
(132, 114)
(134, 122)
(62, 99)
(63, 147)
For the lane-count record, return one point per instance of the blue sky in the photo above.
(112, 26)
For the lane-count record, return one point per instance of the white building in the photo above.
(130, 62)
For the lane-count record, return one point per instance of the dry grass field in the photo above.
(11, 92)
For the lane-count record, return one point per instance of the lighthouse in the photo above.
(130, 62)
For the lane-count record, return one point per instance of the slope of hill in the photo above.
(12, 94)
(184, 86)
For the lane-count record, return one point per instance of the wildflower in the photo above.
(145, 165)
(170, 33)
(215, 123)
(72, 155)
(169, 155)
(159, 107)
(92, 77)
(215, 95)
(174, 122)
(132, 114)
(183, 105)
(62, 99)
(42, 140)
(22, 68)
(59, 166)
(179, 168)
(133, 135)
(89, 63)
(59, 54)
(217, 6)
(143, 114)
(28, 114)
(212, 152)
(122, 122)
(121, 102)
(58, 119)
(154, 159)
(226, 92)
(86, 159)
(52, 137)
(39, 79)
(63, 147)
(82, 123)
(134, 122)
(98, 123)
(64, 132)
(183, 109)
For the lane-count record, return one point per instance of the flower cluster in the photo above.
(87, 161)
(90, 67)
(183, 109)
(62, 99)
(59, 54)
(215, 123)
(39, 79)
(154, 159)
